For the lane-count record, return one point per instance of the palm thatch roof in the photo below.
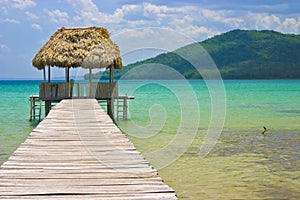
(103, 55)
(89, 47)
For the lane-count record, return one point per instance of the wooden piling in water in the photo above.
(77, 152)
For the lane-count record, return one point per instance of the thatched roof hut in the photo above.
(105, 54)
(70, 47)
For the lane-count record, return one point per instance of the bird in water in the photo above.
(265, 130)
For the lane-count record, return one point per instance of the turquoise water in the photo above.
(14, 114)
(169, 122)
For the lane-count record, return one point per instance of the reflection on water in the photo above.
(243, 165)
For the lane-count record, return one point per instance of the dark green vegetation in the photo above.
(238, 54)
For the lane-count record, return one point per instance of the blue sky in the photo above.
(26, 25)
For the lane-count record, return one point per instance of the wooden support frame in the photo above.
(44, 74)
(49, 74)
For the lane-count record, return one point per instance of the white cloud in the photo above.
(57, 16)
(265, 7)
(154, 10)
(31, 15)
(213, 15)
(272, 22)
(36, 26)
(8, 20)
(85, 9)
(263, 21)
(197, 32)
(23, 4)
(156, 39)
(194, 20)
(129, 8)
(4, 10)
(88, 13)
(3, 49)
(3, 46)
(86, 5)
(291, 25)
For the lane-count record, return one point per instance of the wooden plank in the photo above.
(77, 152)
(145, 196)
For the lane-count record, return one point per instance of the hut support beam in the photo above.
(48, 74)
(90, 79)
(111, 74)
(90, 75)
(67, 80)
(47, 107)
(44, 74)
(67, 71)
(110, 101)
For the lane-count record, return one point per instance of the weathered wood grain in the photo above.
(77, 152)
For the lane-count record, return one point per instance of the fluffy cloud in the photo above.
(36, 26)
(196, 21)
(150, 40)
(23, 4)
(271, 21)
(57, 16)
(8, 20)
(88, 13)
(262, 21)
(3, 47)
(151, 10)
(30, 15)
(291, 25)
(198, 32)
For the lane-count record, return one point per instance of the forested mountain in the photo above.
(238, 54)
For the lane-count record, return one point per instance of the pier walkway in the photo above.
(77, 152)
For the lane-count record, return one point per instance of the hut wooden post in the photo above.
(47, 107)
(44, 74)
(90, 80)
(110, 103)
(49, 74)
(111, 75)
(71, 88)
(48, 102)
(67, 70)
(67, 82)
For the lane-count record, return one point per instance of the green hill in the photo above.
(238, 54)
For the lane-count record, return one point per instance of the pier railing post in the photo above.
(31, 107)
(35, 107)
(125, 106)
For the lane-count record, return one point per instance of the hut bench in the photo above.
(58, 91)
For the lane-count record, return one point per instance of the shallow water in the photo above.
(244, 164)
(168, 124)
(14, 114)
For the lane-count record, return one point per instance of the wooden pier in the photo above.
(77, 152)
